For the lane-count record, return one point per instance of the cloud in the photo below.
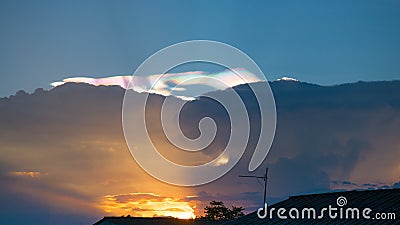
(147, 205)
(178, 84)
(31, 174)
(347, 185)
(221, 161)
(122, 81)
(287, 79)
(72, 136)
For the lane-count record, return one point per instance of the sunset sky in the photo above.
(63, 154)
(319, 42)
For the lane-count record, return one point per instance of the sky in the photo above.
(324, 42)
(67, 146)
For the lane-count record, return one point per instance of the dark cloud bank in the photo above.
(327, 138)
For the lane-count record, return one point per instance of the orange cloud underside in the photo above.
(31, 174)
(147, 205)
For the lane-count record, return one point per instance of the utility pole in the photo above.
(265, 178)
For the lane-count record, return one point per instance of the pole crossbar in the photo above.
(265, 178)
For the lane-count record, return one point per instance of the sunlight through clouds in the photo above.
(147, 205)
(31, 174)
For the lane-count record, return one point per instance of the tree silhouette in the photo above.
(218, 211)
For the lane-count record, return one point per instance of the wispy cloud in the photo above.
(30, 174)
(347, 185)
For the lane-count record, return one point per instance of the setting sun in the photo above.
(147, 205)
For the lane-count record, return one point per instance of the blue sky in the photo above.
(324, 42)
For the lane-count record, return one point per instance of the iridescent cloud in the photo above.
(173, 83)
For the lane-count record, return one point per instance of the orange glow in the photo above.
(147, 205)
(25, 174)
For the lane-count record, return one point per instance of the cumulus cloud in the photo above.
(72, 135)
